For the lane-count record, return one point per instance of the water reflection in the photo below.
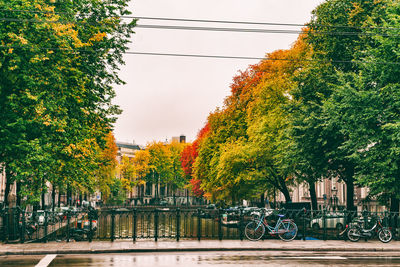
(218, 259)
(167, 226)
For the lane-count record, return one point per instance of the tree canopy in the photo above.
(58, 62)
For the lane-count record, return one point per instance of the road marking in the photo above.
(46, 260)
(316, 258)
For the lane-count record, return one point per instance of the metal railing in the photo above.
(168, 223)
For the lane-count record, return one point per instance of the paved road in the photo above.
(191, 245)
(206, 252)
(220, 259)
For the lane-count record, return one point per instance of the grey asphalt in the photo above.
(143, 246)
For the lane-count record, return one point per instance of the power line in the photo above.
(194, 55)
(259, 23)
(193, 28)
(264, 58)
(209, 56)
(168, 27)
(214, 21)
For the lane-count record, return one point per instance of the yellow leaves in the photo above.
(126, 184)
(38, 58)
(47, 122)
(85, 111)
(208, 195)
(69, 149)
(30, 96)
(10, 50)
(67, 30)
(17, 38)
(97, 37)
(39, 110)
(82, 149)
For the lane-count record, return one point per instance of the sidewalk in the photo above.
(142, 246)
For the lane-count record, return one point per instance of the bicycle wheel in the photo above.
(254, 231)
(287, 230)
(353, 234)
(385, 235)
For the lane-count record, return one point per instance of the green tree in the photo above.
(160, 165)
(317, 138)
(107, 167)
(56, 89)
(177, 179)
(366, 104)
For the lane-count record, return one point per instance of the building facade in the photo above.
(147, 193)
(331, 195)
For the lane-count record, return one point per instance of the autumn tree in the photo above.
(107, 169)
(188, 159)
(160, 165)
(58, 62)
(141, 161)
(177, 178)
(242, 155)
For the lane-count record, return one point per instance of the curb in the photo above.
(158, 250)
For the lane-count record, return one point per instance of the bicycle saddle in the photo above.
(281, 215)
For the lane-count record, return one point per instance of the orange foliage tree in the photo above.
(188, 158)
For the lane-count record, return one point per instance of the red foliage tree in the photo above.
(188, 157)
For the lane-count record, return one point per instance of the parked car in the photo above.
(333, 221)
(209, 212)
(74, 210)
(231, 216)
(40, 217)
(82, 229)
(251, 212)
(61, 213)
(230, 220)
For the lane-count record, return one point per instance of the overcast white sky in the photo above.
(170, 96)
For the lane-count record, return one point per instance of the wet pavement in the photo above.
(97, 247)
(206, 253)
(221, 259)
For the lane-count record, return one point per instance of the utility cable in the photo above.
(214, 21)
(207, 56)
(241, 30)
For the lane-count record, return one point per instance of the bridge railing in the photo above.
(173, 223)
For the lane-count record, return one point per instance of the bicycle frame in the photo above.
(271, 230)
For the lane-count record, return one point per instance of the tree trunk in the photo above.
(7, 189)
(262, 200)
(394, 203)
(69, 196)
(59, 197)
(43, 196)
(313, 196)
(285, 191)
(350, 193)
(43, 200)
(53, 198)
(18, 192)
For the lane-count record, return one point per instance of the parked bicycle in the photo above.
(30, 228)
(286, 229)
(359, 230)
